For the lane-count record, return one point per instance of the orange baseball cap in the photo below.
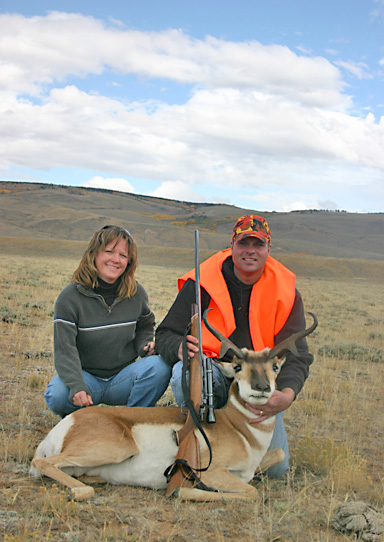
(251, 226)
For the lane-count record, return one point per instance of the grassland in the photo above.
(335, 427)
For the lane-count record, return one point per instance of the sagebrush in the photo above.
(335, 427)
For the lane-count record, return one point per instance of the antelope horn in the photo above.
(290, 342)
(226, 344)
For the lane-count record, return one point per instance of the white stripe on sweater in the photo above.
(96, 328)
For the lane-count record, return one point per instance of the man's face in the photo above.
(249, 256)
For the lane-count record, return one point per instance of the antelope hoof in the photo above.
(174, 494)
(81, 493)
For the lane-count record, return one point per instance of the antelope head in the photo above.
(256, 372)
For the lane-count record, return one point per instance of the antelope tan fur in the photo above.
(135, 445)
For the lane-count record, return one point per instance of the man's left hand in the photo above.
(149, 348)
(280, 400)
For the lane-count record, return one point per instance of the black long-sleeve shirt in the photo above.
(169, 334)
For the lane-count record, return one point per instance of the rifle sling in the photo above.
(182, 463)
(170, 471)
(189, 404)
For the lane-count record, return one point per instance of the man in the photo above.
(255, 304)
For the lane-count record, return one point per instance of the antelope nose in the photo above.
(262, 387)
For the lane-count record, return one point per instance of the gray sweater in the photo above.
(102, 340)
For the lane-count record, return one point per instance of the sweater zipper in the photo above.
(98, 296)
(109, 307)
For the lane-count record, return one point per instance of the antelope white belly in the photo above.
(158, 450)
(53, 442)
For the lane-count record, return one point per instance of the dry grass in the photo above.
(335, 427)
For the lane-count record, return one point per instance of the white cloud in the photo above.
(120, 185)
(37, 52)
(279, 200)
(329, 205)
(357, 69)
(377, 13)
(177, 190)
(256, 117)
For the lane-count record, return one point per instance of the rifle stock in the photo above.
(189, 449)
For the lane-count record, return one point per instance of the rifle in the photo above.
(199, 398)
(206, 406)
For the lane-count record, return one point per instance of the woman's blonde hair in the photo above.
(86, 274)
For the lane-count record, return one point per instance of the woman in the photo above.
(102, 324)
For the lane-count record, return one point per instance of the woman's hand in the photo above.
(149, 348)
(82, 399)
(192, 347)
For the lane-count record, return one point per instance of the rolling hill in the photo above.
(61, 213)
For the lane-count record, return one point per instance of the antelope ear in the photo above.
(226, 368)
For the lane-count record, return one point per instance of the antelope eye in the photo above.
(237, 368)
(275, 367)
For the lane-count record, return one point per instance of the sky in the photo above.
(272, 106)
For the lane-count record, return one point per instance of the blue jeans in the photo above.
(221, 385)
(141, 383)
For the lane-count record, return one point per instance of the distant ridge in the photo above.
(37, 210)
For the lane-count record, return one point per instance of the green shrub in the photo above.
(352, 351)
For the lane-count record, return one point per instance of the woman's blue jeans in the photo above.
(141, 383)
(221, 385)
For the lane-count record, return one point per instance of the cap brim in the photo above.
(258, 234)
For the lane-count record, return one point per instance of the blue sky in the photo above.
(268, 105)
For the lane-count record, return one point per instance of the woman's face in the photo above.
(112, 261)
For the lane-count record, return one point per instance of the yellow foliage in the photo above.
(322, 455)
(344, 470)
(163, 217)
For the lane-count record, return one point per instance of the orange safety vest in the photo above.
(270, 304)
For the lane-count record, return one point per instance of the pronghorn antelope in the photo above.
(135, 445)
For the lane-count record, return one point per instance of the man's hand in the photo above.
(149, 348)
(82, 399)
(192, 347)
(280, 400)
